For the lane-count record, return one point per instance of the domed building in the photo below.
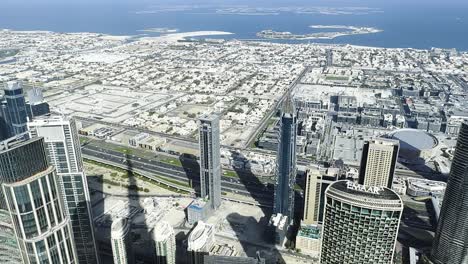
(416, 146)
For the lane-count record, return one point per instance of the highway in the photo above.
(153, 168)
(267, 117)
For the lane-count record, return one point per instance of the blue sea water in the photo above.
(421, 27)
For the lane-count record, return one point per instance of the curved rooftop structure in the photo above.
(363, 196)
(413, 138)
(201, 237)
(415, 145)
(120, 228)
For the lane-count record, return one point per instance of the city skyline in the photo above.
(199, 132)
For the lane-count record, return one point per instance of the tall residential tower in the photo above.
(210, 164)
(164, 243)
(63, 151)
(378, 161)
(360, 224)
(286, 162)
(451, 238)
(33, 197)
(121, 241)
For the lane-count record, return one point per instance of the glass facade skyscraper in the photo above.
(34, 199)
(286, 162)
(15, 111)
(210, 159)
(19, 159)
(451, 238)
(64, 152)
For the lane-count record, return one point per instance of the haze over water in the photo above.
(403, 27)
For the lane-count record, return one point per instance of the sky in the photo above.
(265, 3)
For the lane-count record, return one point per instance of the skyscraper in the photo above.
(164, 243)
(312, 196)
(210, 164)
(286, 162)
(451, 238)
(14, 109)
(33, 197)
(19, 159)
(360, 224)
(121, 242)
(63, 151)
(378, 162)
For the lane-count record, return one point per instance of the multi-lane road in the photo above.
(262, 193)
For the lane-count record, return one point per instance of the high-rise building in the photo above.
(36, 106)
(451, 238)
(378, 162)
(9, 250)
(14, 108)
(286, 162)
(210, 159)
(19, 159)
(164, 243)
(121, 242)
(360, 224)
(33, 197)
(329, 57)
(312, 196)
(200, 241)
(63, 151)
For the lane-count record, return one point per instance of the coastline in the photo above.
(174, 37)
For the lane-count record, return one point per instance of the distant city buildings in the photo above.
(33, 197)
(13, 110)
(121, 241)
(360, 224)
(378, 162)
(164, 243)
(451, 238)
(64, 152)
(286, 162)
(210, 164)
(200, 241)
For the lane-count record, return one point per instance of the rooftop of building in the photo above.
(200, 235)
(13, 85)
(209, 117)
(309, 231)
(119, 228)
(17, 142)
(365, 194)
(162, 231)
(45, 120)
(197, 204)
(426, 185)
(414, 139)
